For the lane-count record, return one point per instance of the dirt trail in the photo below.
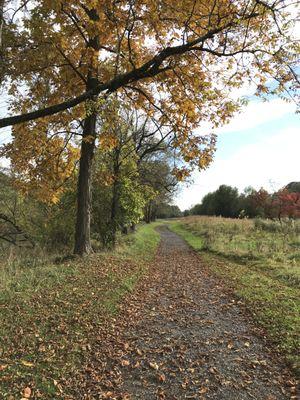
(184, 337)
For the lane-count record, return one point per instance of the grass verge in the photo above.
(51, 314)
(272, 298)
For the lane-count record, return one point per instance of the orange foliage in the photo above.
(176, 62)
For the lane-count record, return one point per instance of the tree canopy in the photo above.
(173, 62)
(192, 53)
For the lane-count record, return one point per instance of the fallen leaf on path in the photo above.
(27, 393)
(107, 395)
(161, 394)
(154, 365)
(161, 377)
(27, 363)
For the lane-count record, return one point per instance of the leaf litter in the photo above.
(182, 335)
(179, 335)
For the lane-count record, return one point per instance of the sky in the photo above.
(260, 147)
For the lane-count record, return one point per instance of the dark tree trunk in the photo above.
(115, 197)
(1, 41)
(133, 227)
(148, 212)
(153, 213)
(1, 21)
(84, 197)
(125, 230)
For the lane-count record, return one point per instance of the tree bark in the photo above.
(1, 20)
(115, 197)
(1, 41)
(84, 195)
(133, 227)
(148, 212)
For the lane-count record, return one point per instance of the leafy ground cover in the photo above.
(181, 334)
(53, 313)
(260, 261)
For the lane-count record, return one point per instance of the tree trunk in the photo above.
(1, 20)
(84, 197)
(148, 212)
(1, 41)
(133, 227)
(115, 197)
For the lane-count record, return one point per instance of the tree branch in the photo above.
(149, 69)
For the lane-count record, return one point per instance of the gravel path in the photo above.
(184, 337)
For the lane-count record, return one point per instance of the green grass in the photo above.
(51, 313)
(267, 281)
(135, 244)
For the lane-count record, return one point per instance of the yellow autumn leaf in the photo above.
(154, 365)
(27, 363)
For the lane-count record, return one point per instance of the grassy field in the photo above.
(51, 313)
(260, 260)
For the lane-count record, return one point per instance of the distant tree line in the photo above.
(227, 202)
(165, 210)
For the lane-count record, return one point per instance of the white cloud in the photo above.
(254, 114)
(271, 162)
(257, 113)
